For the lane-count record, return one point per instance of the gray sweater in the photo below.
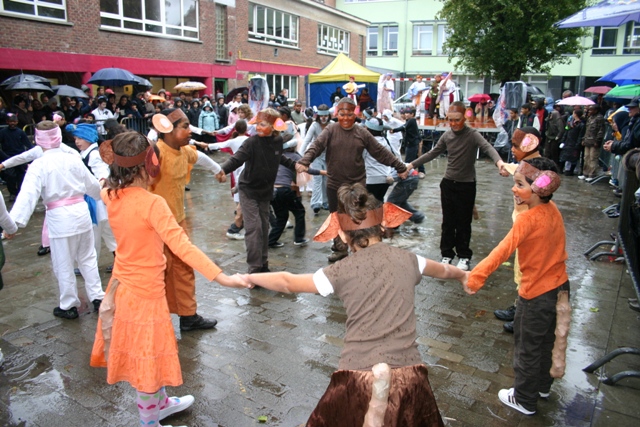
(461, 148)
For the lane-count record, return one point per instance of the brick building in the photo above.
(220, 43)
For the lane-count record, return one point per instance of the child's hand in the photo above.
(7, 235)
(221, 177)
(301, 168)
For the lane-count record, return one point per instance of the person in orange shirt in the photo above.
(178, 158)
(134, 337)
(544, 275)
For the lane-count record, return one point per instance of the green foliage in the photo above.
(506, 38)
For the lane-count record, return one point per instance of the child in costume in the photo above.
(352, 88)
(261, 154)
(377, 287)
(134, 338)
(178, 158)
(544, 279)
(319, 195)
(62, 181)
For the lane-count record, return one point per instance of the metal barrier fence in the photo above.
(629, 240)
(138, 124)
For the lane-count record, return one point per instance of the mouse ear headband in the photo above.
(388, 215)
(545, 183)
(527, 141)
(275, 121)
(149, 157)
(165, 124)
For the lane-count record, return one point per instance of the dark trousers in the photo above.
(457, 199)
(534, 327)
(411, 153)
(400, 194)
(378, 190)
(332, 198)
(14, 177)
(256, 236)
(286, 200)
(552, 152)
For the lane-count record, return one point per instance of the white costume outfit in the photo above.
(419, 88)
(386, 89)
(395, 139)
(99, 169)
(63, 180)
(447, 87)
(101, 117)
(233, 144)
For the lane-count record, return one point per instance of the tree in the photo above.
(507, 38)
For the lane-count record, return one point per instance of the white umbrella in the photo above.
(190, 86)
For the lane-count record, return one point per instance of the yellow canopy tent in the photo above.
(322, 84)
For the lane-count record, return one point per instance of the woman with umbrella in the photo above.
(24, 113)
(571, 143)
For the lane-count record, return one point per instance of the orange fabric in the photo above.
(539, 236)
(143, 347)
(180, 281)
(174, 173)
(190, 166)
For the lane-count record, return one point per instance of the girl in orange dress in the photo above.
(135, 339)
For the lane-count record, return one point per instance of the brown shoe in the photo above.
(337, 256)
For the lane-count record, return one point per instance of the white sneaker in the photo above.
(589, 179)
(507, 396)
(446, 260)
(235, 236)
(176, 404)
(463, 264)
(421, 175)
(544, 395)
(289, 225)
(581, 176)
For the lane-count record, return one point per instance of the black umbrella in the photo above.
(113, 77)
(29, 86)
(143, 82)
(70, 91)
(232, 94)
(21, 78)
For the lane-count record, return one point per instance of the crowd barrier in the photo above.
(138, 124)
(628, 239)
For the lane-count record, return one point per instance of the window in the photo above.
(372, 41)
(221, 32)
(442, 37)
(631, 39)
(390, 44)
(278, 82)
(604, 40)
(332, 40)
(422, 39)
(175, 19)
(47, 9)
(272, 26)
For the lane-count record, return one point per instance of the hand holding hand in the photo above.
(301, 168)
(403, 175)
(7, 235)
(221, 177)
(409, 166)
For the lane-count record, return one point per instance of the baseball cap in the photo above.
(635, 102)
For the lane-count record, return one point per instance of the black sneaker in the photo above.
(506, 315)
(316, 210)
(96, 304)
(276, 245)
(508, 327)
(70, 314)
(109, 269)
(43, 250)
(189, 323)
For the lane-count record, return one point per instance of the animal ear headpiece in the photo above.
(149, 157)
(544, 183)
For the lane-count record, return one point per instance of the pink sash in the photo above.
(57, 204)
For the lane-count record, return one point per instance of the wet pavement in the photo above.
(272, 355)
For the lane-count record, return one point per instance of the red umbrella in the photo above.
(480, 97)
(598, 89)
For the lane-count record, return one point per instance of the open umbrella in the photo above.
(598, 89)
(628, 74)
(607, 13)
(156, 98)
(233, 92)
(70, 91)
(141, 81)
(20, 78)
(29, 87)
(624, 92)
(113, 77)
(189, 86)
(576, 100)
(480, 97)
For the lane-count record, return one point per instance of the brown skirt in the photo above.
(346, 401)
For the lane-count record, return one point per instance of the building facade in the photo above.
(220, 43)
(406, 38)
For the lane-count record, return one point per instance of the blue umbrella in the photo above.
(628, 74)
(607, 13)
(113, 77)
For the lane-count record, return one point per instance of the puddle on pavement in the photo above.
(33, 387)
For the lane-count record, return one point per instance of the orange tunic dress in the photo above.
(143, 349)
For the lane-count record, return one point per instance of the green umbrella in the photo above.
(623, 92)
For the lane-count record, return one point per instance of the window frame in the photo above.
(441, 39)
(278, 81)
(630, 37)
(146, 23)
(36, 5)
(418, 50)
(386, 39)
(373, 31)
(343, 35)
(270, 18)
(598, 37)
